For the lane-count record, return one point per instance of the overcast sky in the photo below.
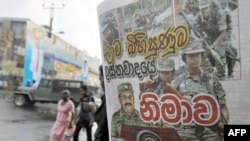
(78, 19)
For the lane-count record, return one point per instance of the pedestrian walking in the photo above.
(86, 118)
(102, 131)
(64, 118)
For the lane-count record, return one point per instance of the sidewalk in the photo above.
(82, 135)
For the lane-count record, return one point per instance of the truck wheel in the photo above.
(20, 100)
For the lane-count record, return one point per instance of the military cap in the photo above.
(165, 64)
(204, 3)
(125, 87)
(194, 46)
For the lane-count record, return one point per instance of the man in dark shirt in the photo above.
(86, 118)
(102, 132)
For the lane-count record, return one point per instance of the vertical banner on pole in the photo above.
(33, 61)
(84, 69)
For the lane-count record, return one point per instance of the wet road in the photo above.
(28, 123)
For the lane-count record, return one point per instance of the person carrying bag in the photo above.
(86, 118)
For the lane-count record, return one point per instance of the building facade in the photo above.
(58, 58)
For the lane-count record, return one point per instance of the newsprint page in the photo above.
(176, 70)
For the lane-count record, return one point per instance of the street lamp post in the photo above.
(52, 7)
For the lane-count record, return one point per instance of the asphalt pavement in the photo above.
(29, 123)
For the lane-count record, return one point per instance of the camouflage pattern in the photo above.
(158, 86)
(124, 87)
(188, 88)
(206, 64)
(230, 62)
(193, 46)
(165, 64)
(120, 117)
(194, 6)
(217, 22)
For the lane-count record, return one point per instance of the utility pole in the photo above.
(52, 7)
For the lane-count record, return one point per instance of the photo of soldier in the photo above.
(142, 22)
(195, 81)
(109, 29)
(158, 83)
(213, 22)
(127, 114)
(151, 17)
(224, 4)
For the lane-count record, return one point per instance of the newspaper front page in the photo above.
(175, 69)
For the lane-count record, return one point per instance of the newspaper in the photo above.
(174, 69)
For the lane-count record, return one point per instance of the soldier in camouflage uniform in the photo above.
(225, 6)
(109, 29)
(158, 85)
(213, 21)
(127, 114)
(192, 6)
(142, 23)
(195, 81)
(166, 68)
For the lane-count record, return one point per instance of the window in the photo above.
(18, 29)
(61, 84)
(66, 84)
(74, 84)
(44, 83)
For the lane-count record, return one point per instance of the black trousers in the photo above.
(81, 125)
